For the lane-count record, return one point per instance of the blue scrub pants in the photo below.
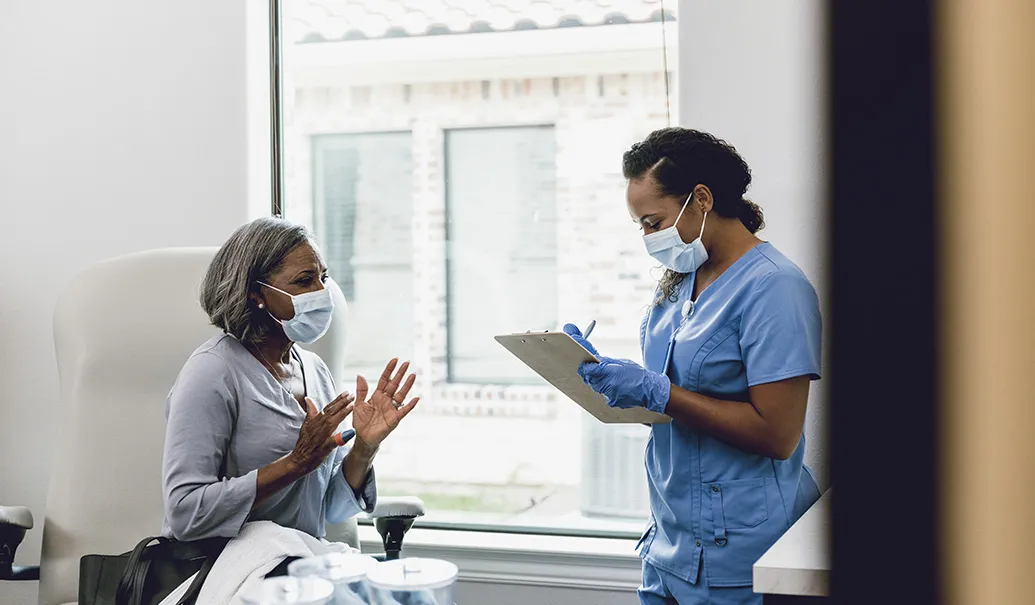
(659, 587)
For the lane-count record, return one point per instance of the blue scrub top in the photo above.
(711, 503)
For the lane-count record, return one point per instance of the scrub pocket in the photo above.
(742, 528)
(737, 504)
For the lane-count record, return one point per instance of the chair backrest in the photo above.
(122, 331)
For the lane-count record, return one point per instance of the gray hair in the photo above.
(252, 254)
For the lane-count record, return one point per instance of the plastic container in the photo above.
(346, 571)
(412, 582)
(285, 590)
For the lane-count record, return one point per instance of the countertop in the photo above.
(799, 562)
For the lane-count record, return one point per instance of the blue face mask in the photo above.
(312, 318)
(669, 249)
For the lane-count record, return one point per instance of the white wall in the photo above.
(752, 73)
(123, 128)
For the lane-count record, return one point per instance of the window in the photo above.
(501, 209)
(461, 166)
(362, 209)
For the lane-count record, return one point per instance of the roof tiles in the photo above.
(336, 20)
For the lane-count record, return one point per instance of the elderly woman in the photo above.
(252, 419)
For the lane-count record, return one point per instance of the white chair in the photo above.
(122, 331)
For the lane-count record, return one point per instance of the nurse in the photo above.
(730, 346)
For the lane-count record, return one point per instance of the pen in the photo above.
(589, 330)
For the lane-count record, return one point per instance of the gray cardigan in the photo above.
(226, 416)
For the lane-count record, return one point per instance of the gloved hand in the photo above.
(626, 384)
(576, 335)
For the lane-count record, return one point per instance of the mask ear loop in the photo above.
(291, 296)
(270, 313)
(705, 218)
(683, 209)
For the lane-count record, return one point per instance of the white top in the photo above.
(799, 562)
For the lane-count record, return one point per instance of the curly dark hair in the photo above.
(677, 160)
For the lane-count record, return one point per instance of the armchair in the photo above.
(122, 331)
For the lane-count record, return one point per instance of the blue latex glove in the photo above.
(626, 384)
(623, 383)
(576, 335)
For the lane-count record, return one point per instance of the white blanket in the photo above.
(260, 547)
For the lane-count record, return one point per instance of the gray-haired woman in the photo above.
(252, 419)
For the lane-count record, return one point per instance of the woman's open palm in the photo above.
(376, 416)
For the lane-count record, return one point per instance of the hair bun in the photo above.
(750, 215)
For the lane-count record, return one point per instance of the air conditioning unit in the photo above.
(614, 481)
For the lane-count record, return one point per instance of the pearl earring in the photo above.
(260, 305)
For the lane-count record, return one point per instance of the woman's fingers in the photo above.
(339, 402)
(400, 395)
(406, 409)
(362, 388)
(393, 384)
(338, 408)
(310, 408)
(386, 376)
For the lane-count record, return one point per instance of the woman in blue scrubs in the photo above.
(730, 345)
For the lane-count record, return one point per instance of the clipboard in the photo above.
(556, 357)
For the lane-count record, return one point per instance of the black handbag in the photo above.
(147, 574)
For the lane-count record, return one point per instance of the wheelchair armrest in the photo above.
(16, 516)
(14, 522)
(393, 517)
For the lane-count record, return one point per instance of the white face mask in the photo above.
(313, 312)
(669, 249)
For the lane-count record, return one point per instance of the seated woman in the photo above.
(252, 419)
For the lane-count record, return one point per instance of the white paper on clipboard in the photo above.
(556, 357)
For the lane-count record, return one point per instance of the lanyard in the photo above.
(687, 312)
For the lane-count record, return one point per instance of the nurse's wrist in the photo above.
(659, 393)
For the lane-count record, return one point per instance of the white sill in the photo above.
(524, 559)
